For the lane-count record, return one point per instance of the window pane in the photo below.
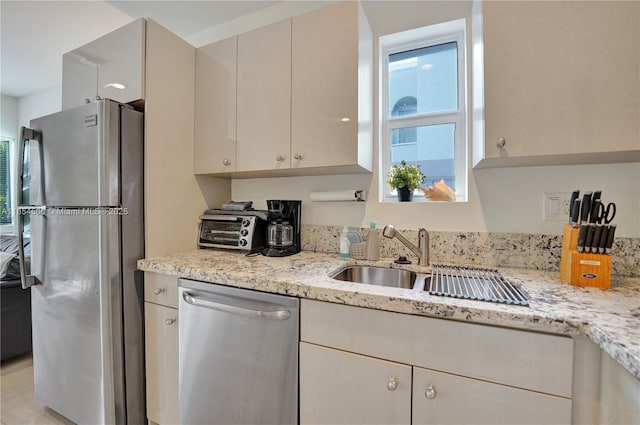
(431, 147)
(5, 183)
(424, 80)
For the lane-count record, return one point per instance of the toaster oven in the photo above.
(244, 230)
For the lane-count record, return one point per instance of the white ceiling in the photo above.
(35, 34)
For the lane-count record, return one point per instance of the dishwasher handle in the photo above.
(241, 311)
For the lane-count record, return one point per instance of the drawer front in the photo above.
(442, 398)
(523, 359)
(161, 289)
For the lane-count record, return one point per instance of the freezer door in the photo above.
(77, 329)
(77, 160)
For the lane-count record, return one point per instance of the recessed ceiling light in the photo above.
(345, 119)
(427, 66)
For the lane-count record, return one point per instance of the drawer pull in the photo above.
(158, 291)
(501, 142)
(430, 393)
(170, 321)
(392, 384)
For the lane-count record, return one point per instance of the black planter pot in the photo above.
(404, 194)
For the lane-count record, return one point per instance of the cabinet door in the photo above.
(324, 87)
(264, 98)
(561, 78)
(337, 387)
(161, 347)
(113, 66)
(215, 120)
(442, 398)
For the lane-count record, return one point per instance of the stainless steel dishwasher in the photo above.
(238, 355)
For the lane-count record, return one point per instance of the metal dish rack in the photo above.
(474, 284)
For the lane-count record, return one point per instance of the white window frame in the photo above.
(452, 31)
(10, 228)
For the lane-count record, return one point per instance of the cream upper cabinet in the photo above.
(113, 66)
(331, 103)
(302, 100)
(264, 98)
(337, 387)
(561, 82)
(215, 111)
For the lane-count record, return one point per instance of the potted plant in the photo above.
(405, 179)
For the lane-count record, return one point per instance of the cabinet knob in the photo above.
(226, 162)
(297, 156)
(501, 142)
(430, 393)
(170, 321)
(279, 158)
(158, 291)
(392, 384)
(87, 101)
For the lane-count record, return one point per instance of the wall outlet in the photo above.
(555, 206)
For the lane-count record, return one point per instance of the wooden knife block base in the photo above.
(581, 268)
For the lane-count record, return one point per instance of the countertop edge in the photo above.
(307, 278)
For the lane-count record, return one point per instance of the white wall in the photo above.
(500, 200)
(39, 104)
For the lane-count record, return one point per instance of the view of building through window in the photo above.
(5, 182)
(425, 81)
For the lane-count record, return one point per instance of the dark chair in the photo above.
(15, 304)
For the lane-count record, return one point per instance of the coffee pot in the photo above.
(283, 231)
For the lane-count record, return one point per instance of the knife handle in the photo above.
(586, 207)
(603, 239)
(572, 203)
(589, 239)
(595, 243)
(610, 237)
(582, 237)
(595, 211)
(575, 212)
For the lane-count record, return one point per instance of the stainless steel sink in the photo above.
(450, 281)
(380, 276)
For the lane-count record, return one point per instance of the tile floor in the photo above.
(19, 407)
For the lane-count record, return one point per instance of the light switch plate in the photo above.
(555, 206)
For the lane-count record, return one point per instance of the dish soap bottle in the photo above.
(373, 244)
(344, 243)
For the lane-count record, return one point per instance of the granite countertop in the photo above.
(611, 319)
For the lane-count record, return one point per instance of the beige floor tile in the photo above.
(16, 383)
(26, 410)
(15, 364)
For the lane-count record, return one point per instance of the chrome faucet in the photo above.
(422, 250)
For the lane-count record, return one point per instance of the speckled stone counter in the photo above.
(611, 319)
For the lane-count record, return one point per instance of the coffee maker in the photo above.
(283, 231)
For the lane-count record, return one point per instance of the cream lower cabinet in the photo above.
(161, 348)
(362, 366)
(337, 387)
(444, 398)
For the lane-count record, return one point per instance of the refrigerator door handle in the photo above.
(242, 311)
(25, 134)
(26, 280)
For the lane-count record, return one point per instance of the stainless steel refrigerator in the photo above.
(81, 204)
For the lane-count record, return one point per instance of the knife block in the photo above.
(582, 268)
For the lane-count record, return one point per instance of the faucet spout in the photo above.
(421, 251)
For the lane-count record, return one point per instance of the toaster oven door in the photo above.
(224, 232)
